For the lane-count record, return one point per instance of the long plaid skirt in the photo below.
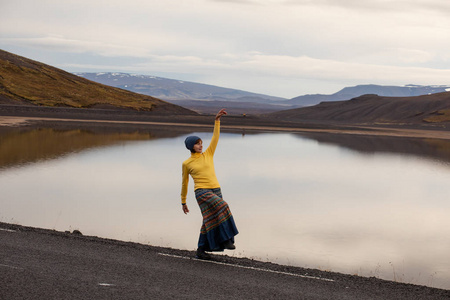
(218, 224)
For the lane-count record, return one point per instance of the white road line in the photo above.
(11, 267)
(249, 268)
(9, 230)
(106, 284)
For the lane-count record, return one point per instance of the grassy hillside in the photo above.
(27, 82)
(434, 108)
(439, 116)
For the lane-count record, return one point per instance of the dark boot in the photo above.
(201, 254)
(229, 245)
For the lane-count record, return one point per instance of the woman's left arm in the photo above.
(215, 138)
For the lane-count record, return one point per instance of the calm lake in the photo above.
(370, 206)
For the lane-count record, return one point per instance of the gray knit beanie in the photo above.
(190, 142)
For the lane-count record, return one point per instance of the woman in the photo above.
(218, 228)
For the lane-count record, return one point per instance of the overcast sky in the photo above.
(283, 48)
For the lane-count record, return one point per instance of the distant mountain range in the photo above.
(171, 89)
(359, 90)
(25, 82)
(208, 98)
(200, 97)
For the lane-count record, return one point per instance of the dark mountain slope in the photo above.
(375, 109)
(27, 82)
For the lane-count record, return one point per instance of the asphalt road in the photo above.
(45, 264)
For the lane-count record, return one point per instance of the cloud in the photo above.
(313, 68)
(62, 44)
(236, 1)
(295, 45)
(271, 70)
(377, 6)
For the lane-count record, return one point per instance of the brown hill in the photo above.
(27, 82)
(434, 108)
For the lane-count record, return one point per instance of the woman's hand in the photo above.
(185, 208)
(220, 114)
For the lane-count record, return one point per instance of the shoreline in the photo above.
(237, 124)
(398, 290)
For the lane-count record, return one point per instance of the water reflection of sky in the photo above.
(295, 201)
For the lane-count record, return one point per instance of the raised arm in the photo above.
(215, 138)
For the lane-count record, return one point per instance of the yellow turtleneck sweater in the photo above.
(201, 167)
